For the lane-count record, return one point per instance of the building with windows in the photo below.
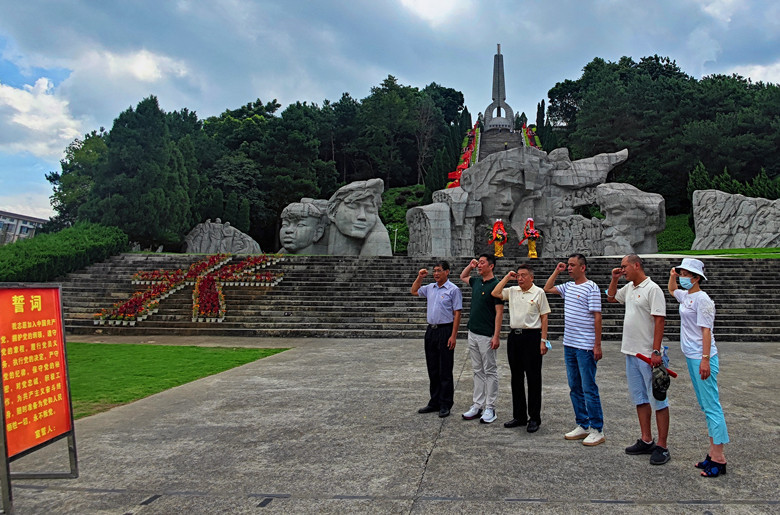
(14, 227)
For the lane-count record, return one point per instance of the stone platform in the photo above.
(331, 426)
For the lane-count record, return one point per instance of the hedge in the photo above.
(48, 256)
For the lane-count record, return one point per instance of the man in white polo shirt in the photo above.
(643, 332)
(526, 344)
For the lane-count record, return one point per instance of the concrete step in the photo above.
(347, 296)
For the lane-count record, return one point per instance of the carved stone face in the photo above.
(501, 199)
(633, 217)
(299, 232)
(356, 218)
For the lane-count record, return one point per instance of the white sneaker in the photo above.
(578, 433)
(473, 412)
(488, 416)
(594, 438)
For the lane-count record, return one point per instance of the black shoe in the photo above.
(533, 426)
(514, 423)
(640, 447)
(660, 456)
(427, 409)
(444, 412)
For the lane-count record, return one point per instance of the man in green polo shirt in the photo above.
(485, 317)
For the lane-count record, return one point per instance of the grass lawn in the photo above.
(103, 376)
(768, 253)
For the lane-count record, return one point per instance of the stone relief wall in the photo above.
(346, 225)
(732, 221)
(217, 237)
(526, 182)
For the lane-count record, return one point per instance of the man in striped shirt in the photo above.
(581, 347)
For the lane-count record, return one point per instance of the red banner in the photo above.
(35, 385)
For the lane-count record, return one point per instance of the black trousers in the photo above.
(525, 362)
(440, 361)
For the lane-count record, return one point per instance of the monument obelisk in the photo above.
(499, 98)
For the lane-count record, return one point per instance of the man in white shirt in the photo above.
(528, 310)
(581, 347)
(643, 332)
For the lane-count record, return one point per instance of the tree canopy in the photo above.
(669, 122)
(156, 174)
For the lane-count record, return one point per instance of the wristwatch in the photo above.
(656, 352)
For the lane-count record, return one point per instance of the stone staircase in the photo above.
(347, 297)
(493, 141)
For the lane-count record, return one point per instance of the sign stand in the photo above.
(37, 409)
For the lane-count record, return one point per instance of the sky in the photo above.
(68, 68)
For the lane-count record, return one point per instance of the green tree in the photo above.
(73, 183)
(242, 218)
(540, 115)
(231, 208)
(142, 189)
(448, 100)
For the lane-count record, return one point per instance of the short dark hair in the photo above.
(444, 264)
(633, 258)
(580, 258)
(490, 258)
(526, 267)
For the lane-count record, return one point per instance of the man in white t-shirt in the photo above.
(581, 347)
(643, 332)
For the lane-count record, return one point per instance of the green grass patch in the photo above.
(103, 376)
(677, 236)
(768, 253)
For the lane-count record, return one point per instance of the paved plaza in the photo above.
(331, 425)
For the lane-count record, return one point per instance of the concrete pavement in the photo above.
(331, 425)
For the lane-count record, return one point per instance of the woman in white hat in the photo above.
(697, 317)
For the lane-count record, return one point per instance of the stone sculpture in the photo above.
(354, 213)
(732, 221)
(526, 182)
(348, 226)
(217, 237)
(632, 216)
(304, 226)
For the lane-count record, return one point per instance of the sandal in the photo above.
(704, 464)
(714, 469)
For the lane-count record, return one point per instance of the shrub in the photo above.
(48, 256)
(395, 203)
(677, 235)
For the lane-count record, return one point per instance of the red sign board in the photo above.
(35, 386)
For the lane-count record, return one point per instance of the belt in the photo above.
(521, 331)
(436, 326)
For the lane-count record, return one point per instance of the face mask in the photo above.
(686, 283)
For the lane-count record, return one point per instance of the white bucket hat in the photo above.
(692, 265)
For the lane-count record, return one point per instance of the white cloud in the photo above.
(34, 119)
(31, 203)
(436, 12)
(722, 10)
(142, 66)
(758, 72)
(701, 48)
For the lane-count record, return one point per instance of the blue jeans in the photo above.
(581, 371)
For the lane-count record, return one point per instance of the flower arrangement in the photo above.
(529, 232)
(466, 157)
(208, 300)
(208, 276)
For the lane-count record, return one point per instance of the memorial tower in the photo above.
(499, 98)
